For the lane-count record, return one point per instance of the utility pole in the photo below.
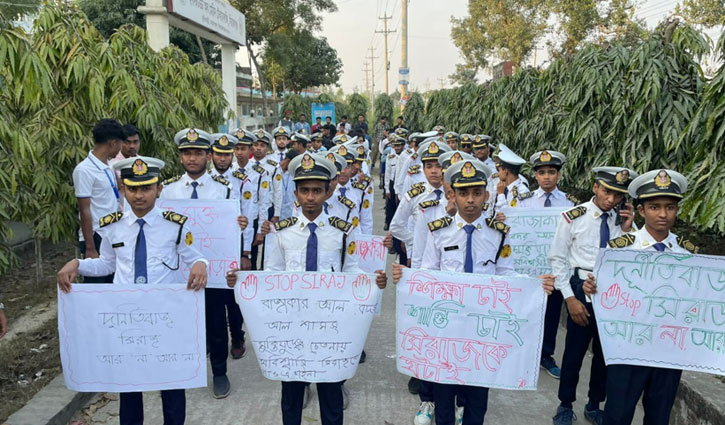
(372, 77)
(385, 33)
(404, 45)
(367, 76)
(441, 80)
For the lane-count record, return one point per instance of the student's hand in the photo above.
(91, 253)
(388, 240)
(197, 276)
(398, 272)
(242, 222)
(577, 311)
(275, 219)
(500, 187)
(266, 228)
(381, 280)
(547, 282)
(627, 214)
(3, 324)
(258, 240)
(246, 263)
(67, 275)
(500, 216)
(590, 285)
(451, 208)
(232, 277)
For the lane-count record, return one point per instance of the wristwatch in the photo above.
(2, 306)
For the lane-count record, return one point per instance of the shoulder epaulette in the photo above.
(272, 163)
(414, 169)
(621, 242)
(346, 201)
(220, 179)
(297, 204)
(171, 180)
(283, 224)
(392, 155)
(367, 179)
(238, 174)
(415, 191)
(414, 156)
(358, 185)
(526, 195)
(340, 224)
(258, 168)
(440, 223)
(576, 212)
(573, 199)
(497, 225)
(430, 203)
(174, 217)
(494, 176)
(421, 185)
(110, 218)
(484, 207)
(685, 243)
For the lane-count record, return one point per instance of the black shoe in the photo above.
(222, 387)
(238, 349)
(414, 385)
(363, 357)
(386, 227)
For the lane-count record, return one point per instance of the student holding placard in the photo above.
(310, 242)
(547, 170)
(470, 243)
(580, 233)
(657, 194)
(144, 245)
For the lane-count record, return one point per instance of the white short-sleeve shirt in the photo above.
(94, 179)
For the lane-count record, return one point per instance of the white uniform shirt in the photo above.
(411, 175)
(491, 165)
(94, 179)
(538, 198)
(576, 242)
(275, 173)
(423, 216)
(276, 156)
(644, 241)
(289, 246)
(261, 179)
(208, 188)
(447, 248)
(391, 164)
(164, 256)
(402, 170)
(515, 188)
(366, 193)
(288, 195)
(400, 225)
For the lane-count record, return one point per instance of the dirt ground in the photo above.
(31, 359)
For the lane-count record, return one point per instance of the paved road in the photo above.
(378, 393)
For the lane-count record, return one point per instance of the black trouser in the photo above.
(476, 403)
(97, 239)
(551, 323)
(255, 248)
(173, 403)
(329, 395)
(575, 348)
(234, 316)
(216, 329)
(391, 204)
(627, 383)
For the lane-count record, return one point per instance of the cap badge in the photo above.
(468, 171)
(360, 150)
(433, 148)
(456, 157)
(224, 141)
(342, 151)
(663, 180)
(192, 135)
(622, 176)
(331, 157)
(545, 156)
(240, 133)
(307, 162)
(260, 134)
(139, 168)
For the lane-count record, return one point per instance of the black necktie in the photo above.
(547, 203)
(604, 231)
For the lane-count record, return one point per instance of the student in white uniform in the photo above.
(505, 189)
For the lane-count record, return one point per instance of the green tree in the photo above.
(508, 30)
(465, 74)
(621, 24)
(383, 107)
(414, 113)
(577, 20)
(109, 15)
(306, 60)
(357, 104)
(708, 13)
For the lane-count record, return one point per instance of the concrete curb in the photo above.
(53, 405)
(697, 401)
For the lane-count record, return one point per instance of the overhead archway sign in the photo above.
(218, 17)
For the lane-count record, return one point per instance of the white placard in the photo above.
(127, 338)
(216, 234)
(661, 309)
(215, 15)
(532, 231)
(307, 326)
(472, 329)
(370, 252)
